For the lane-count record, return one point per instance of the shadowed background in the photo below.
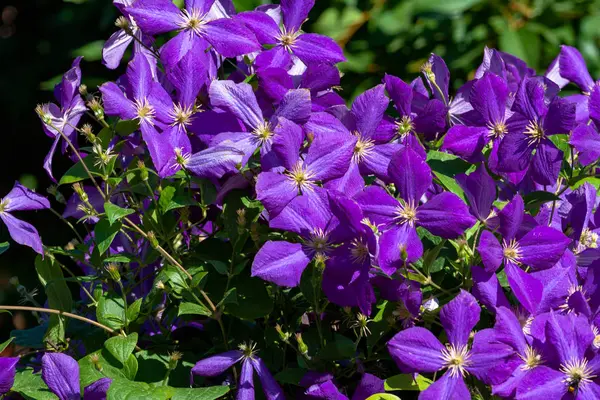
(39, 38)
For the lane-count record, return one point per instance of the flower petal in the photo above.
(216, 365)
(245, 389)
(22, 232)
(21, 198)
(271, 388)
(230, 37)
(395, 240)
(448, 387)
(490, 251)
(542, 247)
(411, 175)
(459, 317)
(368, 109)
(295, 12)
(238, 99)
(281, 263)
(526, 288)
(7, 373)
(445, 215)
(314, 48)
(416, 350)
(61, 373)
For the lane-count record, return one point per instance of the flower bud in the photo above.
(143, 170)
(285, 336)
(86, 130)
(96, 108)
(80, 192)
(241, 220)
(53, 191)
(83, 90)
(174, 358)
(95, 359)
(42, 112)
(113, 272)
(302, 347)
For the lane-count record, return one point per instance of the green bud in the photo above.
(302, 347)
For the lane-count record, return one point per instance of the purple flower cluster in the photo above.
(499, 177)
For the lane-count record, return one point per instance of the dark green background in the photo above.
(379, 36)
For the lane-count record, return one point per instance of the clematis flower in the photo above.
(7, 373)
(116, 45)
(144, 99)
(417, 112)
(61, 373)
(65, 118)
(539, 247)
(310, 217)
(528, 130)
(489, 98)
(444, 215)
(21, 199)
(570, 365)
(240, 100)
(289, 38)
(196, 25)
(327, 158)
(418, 350)
(216, 365)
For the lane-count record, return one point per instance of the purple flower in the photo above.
(480, 190)
(570, 66)
(489, 99)
(216, 365)
(65, 118)
(570, 366)
(118, 42)
(443, 215)
(417, 112)
(21, 199)
(196, 26)
(319, 228)
(528, 130)
(61, 374)
(418, 350)
(240, 100)
(289, 38)
(7, 373)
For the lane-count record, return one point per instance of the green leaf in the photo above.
(114, 212)
(4, 246)
(219, 266)
(406, 382)
(130, 367)
(78, 173)
(592, 180)
(110, 311)
(174, 277)
(205, 393)
(253, 298)
(31, 386)
(118, 258)
(445, 167)
(91, 51)
(383, 396)
(59, 297)
(193, 309)
(521, 43)
(133, 310)
(98, 365)
(121, 347)
(537, 198)
(5, 344)
(121, 389)
(105, 233)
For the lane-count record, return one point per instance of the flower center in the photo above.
(4, 204)
(572, 290)
(359, 251)
(406, 213)
(596, 333)
(588, 239)
(535, 132)
(362, 149)
(180, 157)
(531, 359)
(193, 20)
(497, 130)
(263, 132)
(302, 178)
(456, 359)
(577, 372)
(249, 349)
(288, 39)
(181, 115)
(404, 126)
(319, 241)
(512, 251)
(145, 112)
